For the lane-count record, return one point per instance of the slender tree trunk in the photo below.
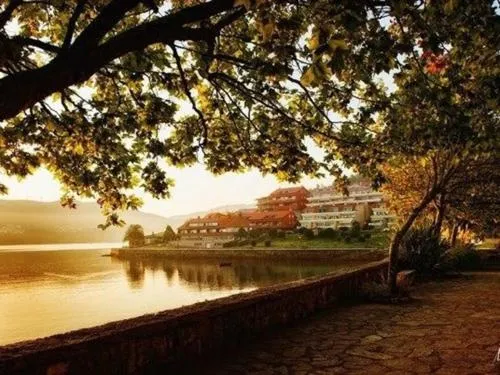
(398, 237)
(438, 222)
(454, 234)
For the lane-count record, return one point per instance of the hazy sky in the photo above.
(195, 188)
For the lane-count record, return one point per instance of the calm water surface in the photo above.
(47, 291)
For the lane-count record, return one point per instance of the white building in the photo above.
(327, 208)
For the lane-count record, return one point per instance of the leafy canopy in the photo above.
(100, 91)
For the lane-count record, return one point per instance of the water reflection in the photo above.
(213, 275)
(47, 292)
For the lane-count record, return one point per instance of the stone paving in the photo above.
(452, 327)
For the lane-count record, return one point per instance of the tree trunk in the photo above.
(398, 237)
(454, 234)
(438, 222)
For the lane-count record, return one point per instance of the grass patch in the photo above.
(489, 243)
(296, 241)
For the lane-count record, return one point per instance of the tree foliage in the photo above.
(100, 91)
(135, 235)
(169, 234)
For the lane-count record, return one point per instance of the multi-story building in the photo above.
(328, 208)
(281, 220)
(214, 229)
(214, 224)
(285, 199)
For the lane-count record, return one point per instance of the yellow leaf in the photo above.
(309, 77)
(313, 43)
(51, 126)
(267, 30)
(450, 6)
(246, 3)
(337, 44)
(78, 149)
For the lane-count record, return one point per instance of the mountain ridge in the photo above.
(38, 222)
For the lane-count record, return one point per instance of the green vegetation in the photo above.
(135, 236)
(296, 241)
(372, 82)
(169, 235)
(489, 243)
(421, 249)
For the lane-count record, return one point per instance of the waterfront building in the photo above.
(328, 208)
(285, 199)
(280, 220)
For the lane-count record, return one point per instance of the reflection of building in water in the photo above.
(210, 275)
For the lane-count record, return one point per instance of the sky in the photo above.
(195, 189)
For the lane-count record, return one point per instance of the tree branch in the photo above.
(80, 7)
(7, 13)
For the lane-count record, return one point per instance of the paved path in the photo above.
(453, 328)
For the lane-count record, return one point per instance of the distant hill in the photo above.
(33, 222)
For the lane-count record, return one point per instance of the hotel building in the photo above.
(327, 208)
(294, 199)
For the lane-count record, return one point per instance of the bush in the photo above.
(253, 243)
(308, 234)
(347, 238)
(421, 249)
(280, 234)
(463, 257)
(328, 233)
(272, 233)
(267, 243)
(356, 229)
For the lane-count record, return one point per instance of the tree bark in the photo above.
(454, 234)
(438, 222)
(398, 237)
(86, 56)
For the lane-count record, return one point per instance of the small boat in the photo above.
(225, 264)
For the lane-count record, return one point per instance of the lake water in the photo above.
(48, 289)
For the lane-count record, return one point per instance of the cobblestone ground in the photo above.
(453, 327)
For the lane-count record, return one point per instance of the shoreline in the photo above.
(246, 253)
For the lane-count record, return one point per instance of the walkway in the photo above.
(452, 328)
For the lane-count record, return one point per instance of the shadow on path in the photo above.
(452, 327)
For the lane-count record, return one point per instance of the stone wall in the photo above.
(227, 254)
(157, 341)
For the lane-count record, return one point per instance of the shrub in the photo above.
(242, 233)
(253, 243)
(328, 233)
(267, 243)
(347, 238)
(367, 235)
(355, 229)
(463, 257)
(421, 249)
(280, 234)
(273, 233)
(308, 234)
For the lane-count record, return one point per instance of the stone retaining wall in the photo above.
(226, 254)
(156, 341)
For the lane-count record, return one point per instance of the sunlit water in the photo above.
(44, 292)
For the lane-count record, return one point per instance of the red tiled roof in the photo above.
(286, 191)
